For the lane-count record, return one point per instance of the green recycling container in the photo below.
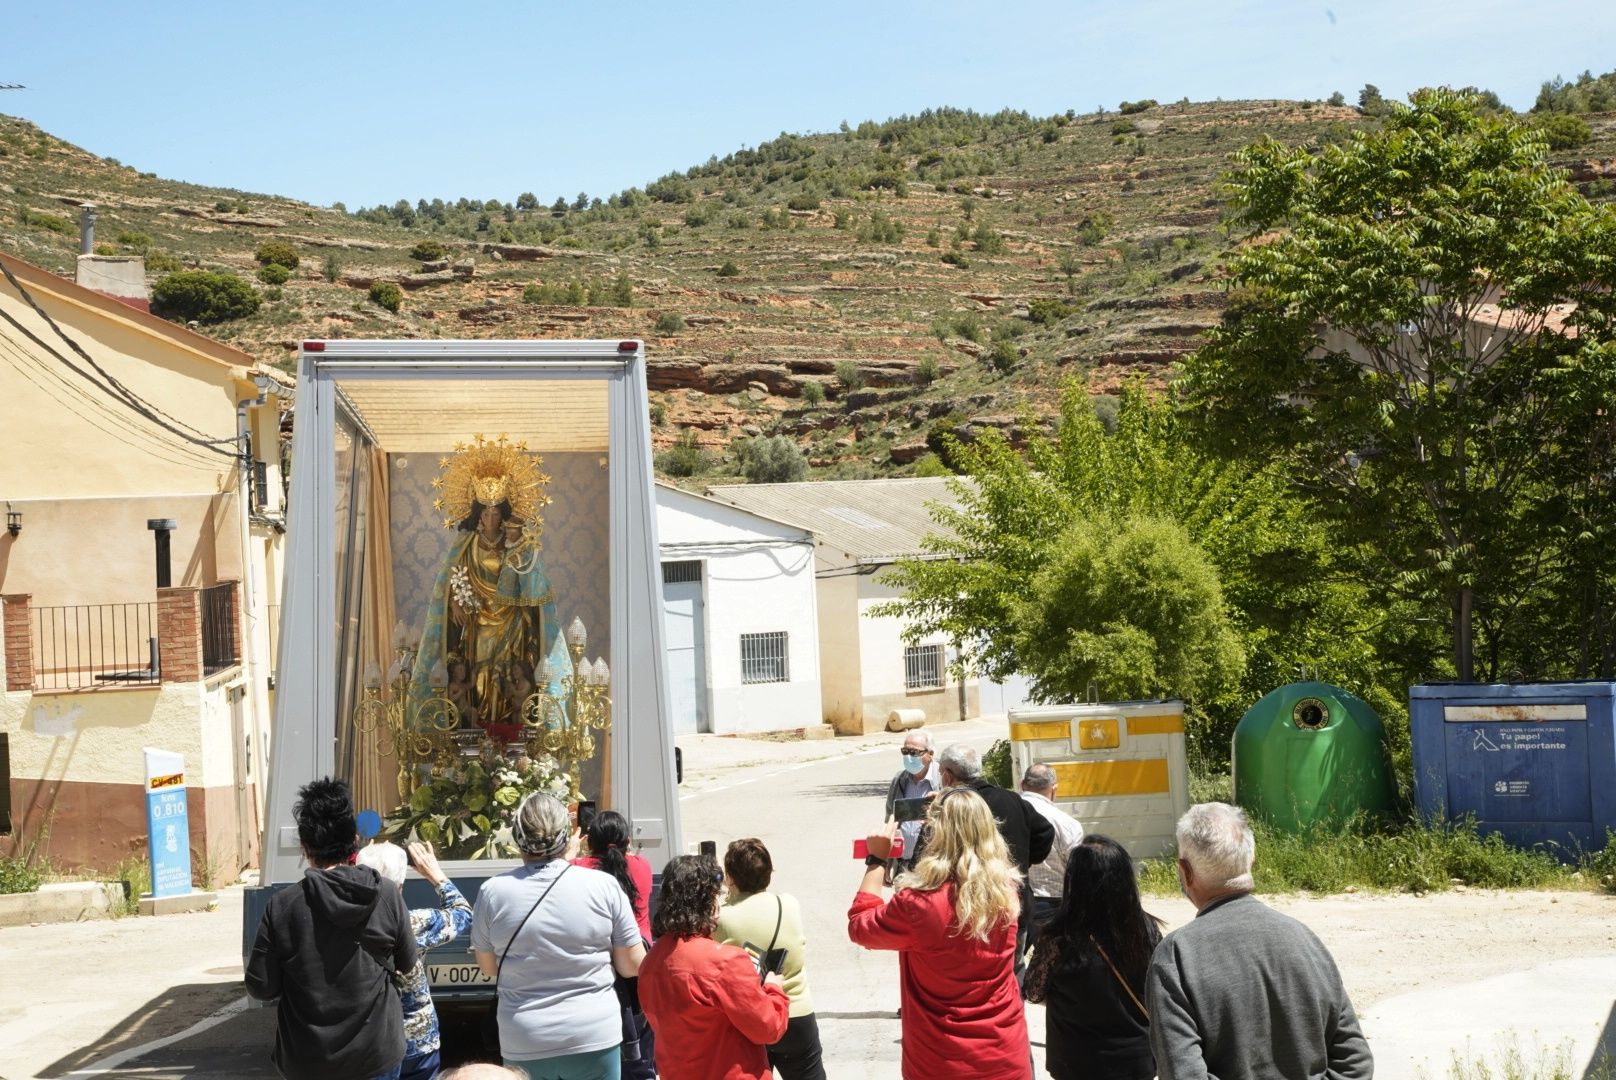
(1311, 754)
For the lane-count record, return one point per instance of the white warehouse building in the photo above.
(741, 621)
(859, 529)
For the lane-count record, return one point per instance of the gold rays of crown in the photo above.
(490, 471)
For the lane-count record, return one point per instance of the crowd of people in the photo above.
(990, 898)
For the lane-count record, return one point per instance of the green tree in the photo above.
(205, 296)
(621, 293)
(1402, 353)
(1276, 562)
(773, 460)
(1134, 607)
(813, 393)
(1070, 265)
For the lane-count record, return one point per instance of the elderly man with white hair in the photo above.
(1243, 990)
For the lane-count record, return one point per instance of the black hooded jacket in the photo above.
(328, 947)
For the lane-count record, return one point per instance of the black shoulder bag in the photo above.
(523, 923)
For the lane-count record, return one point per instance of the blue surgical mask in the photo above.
(914, 766)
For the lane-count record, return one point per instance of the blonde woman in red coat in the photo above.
(952, 921)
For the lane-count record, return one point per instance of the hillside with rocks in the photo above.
(858, 291)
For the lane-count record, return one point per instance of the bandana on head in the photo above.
(543, 847)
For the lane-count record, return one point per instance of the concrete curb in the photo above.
(62, 901)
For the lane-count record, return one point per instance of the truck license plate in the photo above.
(456, 975)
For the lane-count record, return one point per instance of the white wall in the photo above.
(757, 577)
(881, 649)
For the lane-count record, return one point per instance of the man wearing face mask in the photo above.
(917, 779)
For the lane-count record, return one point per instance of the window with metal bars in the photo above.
(686, 570)
(763, 658)
(923, 667)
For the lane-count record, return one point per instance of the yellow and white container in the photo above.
(1120, 767)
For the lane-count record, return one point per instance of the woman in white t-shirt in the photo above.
(552, 934)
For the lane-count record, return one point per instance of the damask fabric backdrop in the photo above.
(576, 540)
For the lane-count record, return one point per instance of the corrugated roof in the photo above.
(871, 520)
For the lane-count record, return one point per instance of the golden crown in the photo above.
(490, 471)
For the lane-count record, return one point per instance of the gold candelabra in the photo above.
(563, 724)
(412, 736)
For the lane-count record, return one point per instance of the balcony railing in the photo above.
(94, 645)
(219, 634)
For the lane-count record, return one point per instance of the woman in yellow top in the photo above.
(758, 920)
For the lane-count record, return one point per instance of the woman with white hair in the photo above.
(952, 921)
(432, 927)
(551, 934)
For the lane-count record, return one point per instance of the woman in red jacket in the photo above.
(952, 921)
(712, 1012)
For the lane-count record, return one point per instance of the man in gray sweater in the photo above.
(1243, 991)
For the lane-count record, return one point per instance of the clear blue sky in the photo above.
(368, 103)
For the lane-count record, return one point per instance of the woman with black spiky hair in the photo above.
(330, 948)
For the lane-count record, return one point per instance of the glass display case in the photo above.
(472, 607)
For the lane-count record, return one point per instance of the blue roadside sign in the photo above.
(168, 824)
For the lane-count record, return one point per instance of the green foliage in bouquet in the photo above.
(466, 808)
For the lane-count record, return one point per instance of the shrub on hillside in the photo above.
(1004, 356)
(1128, 108)
(428, 250)
(386, 294)
(729, 269)
(775, 460)
(274, 274)
(1046, 312)
(955, 258)
(805, 200)
(161, 262)
(277, 253)
(684, 458)
(813, 393)
(137, 240)
(332, 269)
(669, 322)
(40, 220)
(928, 370)
(204, 296)
(849, 375)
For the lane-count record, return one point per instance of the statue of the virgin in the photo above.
(491, 622)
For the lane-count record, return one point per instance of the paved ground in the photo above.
(1430, 975)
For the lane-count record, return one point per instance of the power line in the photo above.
(112, 386)
(116, 417)
(191, 464)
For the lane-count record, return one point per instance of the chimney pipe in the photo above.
(162, 527)
(87, 228)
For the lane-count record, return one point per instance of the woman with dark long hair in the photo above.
(1088, 969)
(608, 841)
(714, 1014)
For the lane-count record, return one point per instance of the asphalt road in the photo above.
(1431, 975)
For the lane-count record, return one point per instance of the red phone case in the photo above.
(861, 848)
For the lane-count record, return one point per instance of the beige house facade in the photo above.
(129, 435)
